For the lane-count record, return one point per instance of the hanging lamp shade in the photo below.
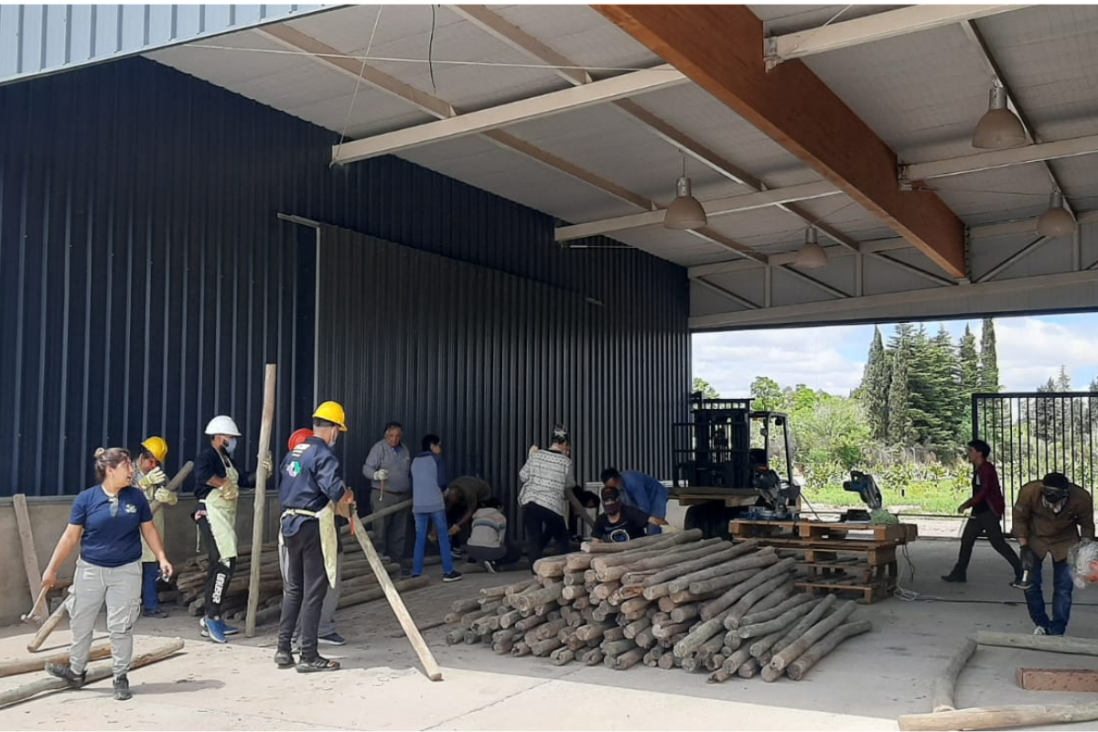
(811, 255)
(1057, 221)
(999, 128)
(685, 212)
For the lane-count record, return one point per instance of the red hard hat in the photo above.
(298, 437)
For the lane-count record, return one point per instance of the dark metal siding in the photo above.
(146, 280)
(489, 361)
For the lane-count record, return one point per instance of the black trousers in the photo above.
(986, 523)
(541, 526)
(306, 584)
(219, 575)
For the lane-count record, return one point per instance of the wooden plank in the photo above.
(720, 48)
(260, 505)
(30, 555)
(1058, 679)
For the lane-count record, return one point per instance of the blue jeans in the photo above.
(443, 531)
(1062, 587)
(150, 571)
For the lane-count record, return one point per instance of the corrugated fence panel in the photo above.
(147, 279)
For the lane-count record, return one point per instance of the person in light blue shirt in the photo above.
(640, 491)
(428, 484)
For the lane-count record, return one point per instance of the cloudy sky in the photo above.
(1031, 349)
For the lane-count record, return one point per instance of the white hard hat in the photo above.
(222, 425)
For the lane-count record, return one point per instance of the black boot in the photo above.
(954, 576)
(122, 688)
(64, 671)
(284, 659)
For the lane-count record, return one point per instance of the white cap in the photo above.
(222, 425)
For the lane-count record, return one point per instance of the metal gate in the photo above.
(1035, 433)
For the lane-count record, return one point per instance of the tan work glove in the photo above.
(165, 496)
(455, 529)
(230, 491)
(267, 464)
(155, 477)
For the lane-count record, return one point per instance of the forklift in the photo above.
(732, 461)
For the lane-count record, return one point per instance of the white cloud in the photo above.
(1032, 349)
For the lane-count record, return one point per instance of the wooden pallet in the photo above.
(818, 531)
(870, 593)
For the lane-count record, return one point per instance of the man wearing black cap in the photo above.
(1049, 517)
(621, 523)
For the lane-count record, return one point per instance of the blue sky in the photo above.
(1031, 349)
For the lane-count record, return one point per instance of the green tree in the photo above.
(833, 430)
(900, 429)
(970, 377)
(989, 358)
(706, 389)
(873, 392)
(767, 394)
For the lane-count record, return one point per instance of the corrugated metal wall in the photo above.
(489, 361)
(147, 279)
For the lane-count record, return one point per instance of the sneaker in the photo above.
(215, 630)
(64, 671)
(456, 553)
(332, 639)
(451, 576)
(284, 659)
(1020, 585)
(1040, 631)
(958, 578)
(225, 629)
(491, 567)
(157, 613)
(122, 688)
(317, 664)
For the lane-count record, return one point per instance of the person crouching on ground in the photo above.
(464, 495)
(428, 485)
(545, 477)
(1049, 517)
(150, 479)
(641, 491)
(310, 485)
(488, 540)
(217, 486)
(108, 522)
(987, 506)
(618, 522)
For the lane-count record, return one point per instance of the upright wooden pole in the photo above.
(30, 555)
(260, 497)
(434, 673)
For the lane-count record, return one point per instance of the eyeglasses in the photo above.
(114, 506)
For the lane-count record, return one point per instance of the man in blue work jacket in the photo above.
(311, 486)
(640, 491)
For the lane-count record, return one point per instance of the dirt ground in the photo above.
(865, 684)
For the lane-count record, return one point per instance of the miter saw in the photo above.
(774, 492)
(866, 487)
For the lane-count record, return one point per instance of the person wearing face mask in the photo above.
(641, 491)
(310, 488)
(149, 477)
(1049, 517)
(218, 481)
(619, 522)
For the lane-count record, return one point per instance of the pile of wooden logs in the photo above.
(359, 584)
(672, 601)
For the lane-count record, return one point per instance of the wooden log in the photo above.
(717, 607)
(95, 672)
(669, 631)
(765, 644)
(781, 623)
(797, 669)
(763, 616)
(562, 656)
(819, 608)
(674, 580)
(719, 676)
(625, 661)
(472, 637)
(455, 636)
(718, 585)
(1049, 643)
(793, 651)
(1021, 715)
(710, 647)
(603, 591)
(644, 568)
(580, 562)
(38, 663)
(738, 658)
(551, 567)
(604, 610)
(632, 629)
(646, 638)
(623, 594)
(259, 506)
(637, 604)
(518, 587)
(573, 592)
(618, 647)
(49, 626)
(39, 608)
(464, 606)
(761, 558)
(545, 647)
(667, 661)
(941, 700)
(614, 634)
(520, 649)
(594, 630)
(685, 612)
(594, 658)
(715, 662)
(732, 641)
(549, 629)
(700, 635)
(504, 647)
(530, 600)
(681, 537)
(749, 669)
(708, 558)
(772, 599)
(670, 602)
(743, 606)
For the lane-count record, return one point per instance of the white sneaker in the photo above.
(1039, 631)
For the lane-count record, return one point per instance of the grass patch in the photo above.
(936, 497)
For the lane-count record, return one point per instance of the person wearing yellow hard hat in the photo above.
(311, 488)
(149, 477)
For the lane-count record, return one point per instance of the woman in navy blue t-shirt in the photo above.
(107, 522)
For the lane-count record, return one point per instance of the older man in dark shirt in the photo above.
(1050, 515)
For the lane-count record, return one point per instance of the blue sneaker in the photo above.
(214, 630)
(225, 629)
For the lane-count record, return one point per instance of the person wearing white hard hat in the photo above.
(149, 477)
(217, 485)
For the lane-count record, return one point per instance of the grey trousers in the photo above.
(392, 530)
(331, 599)
(120, 588)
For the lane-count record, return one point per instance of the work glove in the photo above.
(382, 474)
(454, 529)
(155, 477)
(165, 496)
(267, 464)
(230, 491)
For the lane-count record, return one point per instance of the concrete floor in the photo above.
(866, 684)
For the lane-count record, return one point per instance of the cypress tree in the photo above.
(989, 358)
(970, 378)
(900, 430)
(876, 380)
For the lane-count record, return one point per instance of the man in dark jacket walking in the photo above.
(987, 506)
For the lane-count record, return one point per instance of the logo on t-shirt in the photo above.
(293, 469)
(130, 508)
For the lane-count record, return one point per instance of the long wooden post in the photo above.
(260, 497)
(30, 556)
(434, 673)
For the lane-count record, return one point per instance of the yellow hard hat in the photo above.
(158, 446)
(333, 412)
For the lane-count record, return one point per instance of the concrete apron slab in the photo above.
(866, 684)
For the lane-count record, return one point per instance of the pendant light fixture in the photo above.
(685, 212)
(999, 128)
(811, 255)
(1057, 221)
